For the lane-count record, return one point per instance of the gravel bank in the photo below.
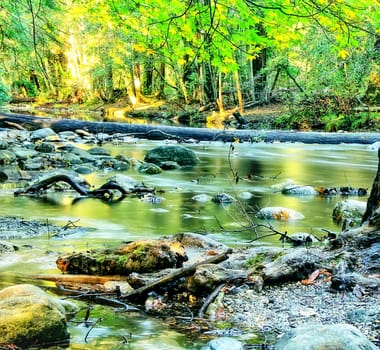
(278, 308)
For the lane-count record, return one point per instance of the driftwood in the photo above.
(158, 132)
(115, 298)
(103, 192)
(184, 271)
(88, 279)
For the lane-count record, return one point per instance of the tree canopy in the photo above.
(236, 52)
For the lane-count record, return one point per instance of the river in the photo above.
(261, 167)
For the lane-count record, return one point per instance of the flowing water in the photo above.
(260, 167)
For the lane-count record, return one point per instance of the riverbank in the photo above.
(252, 301)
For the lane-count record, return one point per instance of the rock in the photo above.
(299, 190)
(371, 258)
(70, 159)
(83, 169)
(45, 147)
(301, 238)
(293, 266)
(113, 286)
(320, 337)
(31, 318)
(190, 239)
(125, 181)
(223, 198)
(19, 228)
(349, 209)
(178, 154)
(7, 157)
(24, 153)
(69, 136)
(279, 213)
(43, 134)
(202, 198)
(245, 195)
(209, 276)
(139, 256)
(98, 151)
(223, 343)
(348, 281)
(148, 168)
(6, 247)
(169, 165)
(81, 153)
(3, 144)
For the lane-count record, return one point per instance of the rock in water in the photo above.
(279, 213)
(318, 337)
(178, 154)
(31, 318)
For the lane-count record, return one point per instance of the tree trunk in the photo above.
(238, 92)
(137, 82)
(220, 93)
(161, 91)
(373, 202)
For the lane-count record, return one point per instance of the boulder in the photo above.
(293, 266)
(98, 151)
(279, 213)
(178, 154)
(349, 209)
(45, 147)
(30, 317)
(299, 190)
(223, 343)
(320, 337)
(44, 134)
(223, 198)
(148, 168)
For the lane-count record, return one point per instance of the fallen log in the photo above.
(184, 271)
(160, 132)
(88, 279)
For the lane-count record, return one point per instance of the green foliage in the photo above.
(24, 88)
(334, 122)
(317, 50)
(4, 97)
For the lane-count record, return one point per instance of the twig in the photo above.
(92, 327)
(209, 300)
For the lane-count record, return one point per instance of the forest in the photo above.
(320, 58)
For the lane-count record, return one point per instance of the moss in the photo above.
(258, 260)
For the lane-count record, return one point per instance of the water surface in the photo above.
(260, 167)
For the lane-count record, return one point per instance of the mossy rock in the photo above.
(30, 317)
(179, 154)
(140, 256)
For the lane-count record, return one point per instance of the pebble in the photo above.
(278, 308)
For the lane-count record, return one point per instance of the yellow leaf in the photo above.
(343, 54)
